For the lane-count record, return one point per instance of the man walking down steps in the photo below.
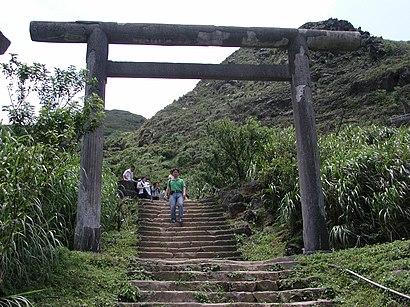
(176, 190)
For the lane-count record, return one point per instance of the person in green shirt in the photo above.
(176, 190)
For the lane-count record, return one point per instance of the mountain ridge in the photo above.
(378, 71)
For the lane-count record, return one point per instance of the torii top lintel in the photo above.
(192, 35)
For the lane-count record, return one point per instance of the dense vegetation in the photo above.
(365, 174)
(39, 170)
(230, 135)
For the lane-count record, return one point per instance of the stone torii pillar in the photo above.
(87, 231)
(98, 35)
(315, 236)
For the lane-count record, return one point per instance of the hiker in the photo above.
(164, 192)
(144, 189)
(176, 190)
(155, 191)
(128, 175)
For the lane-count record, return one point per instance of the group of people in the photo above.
(142, 185)
(174, 191)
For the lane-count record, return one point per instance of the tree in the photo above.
(232, 150)
(61, 121)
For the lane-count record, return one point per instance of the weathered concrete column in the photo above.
(315, 235)
(88, 230)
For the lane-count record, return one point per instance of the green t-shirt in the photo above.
(176, 184)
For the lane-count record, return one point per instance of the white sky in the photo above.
(388, 19)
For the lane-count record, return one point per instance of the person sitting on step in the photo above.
(144, 188)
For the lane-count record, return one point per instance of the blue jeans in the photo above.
(176, 198)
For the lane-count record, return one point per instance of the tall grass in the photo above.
(38, 197)
(365, 178)
(366, 183)
(39, 171)
(26, 239)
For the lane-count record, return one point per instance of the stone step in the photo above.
(216, 275)
(184, 231)
(198, 261)
(190, 211)
(199, 235)
(316, 303)
(165, 218)
(306, 294)
(185, 226)
(233, 285)
(186, 223)
(281, 263)
(234, 255)
(187, 217)
(247, 286)
(164, 204)
(193, 211)
(185, 243)
(174, 249)
(164, 208)
(188, 220)
(151, 237)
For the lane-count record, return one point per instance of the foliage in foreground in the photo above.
(387, 264)
(39, 171)
(93, 279)
(89, 279)
(39, 197)
(86, 279)
(262, 245)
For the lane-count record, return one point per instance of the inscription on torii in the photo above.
(98, 36)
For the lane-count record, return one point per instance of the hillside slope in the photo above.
(362, 87)
(121, 121)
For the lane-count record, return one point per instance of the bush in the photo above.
(366, 183)
(231, 151)
(365, 177)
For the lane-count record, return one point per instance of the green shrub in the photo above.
(365, 177)
(366, 181)
(230, 153)
(27, 235)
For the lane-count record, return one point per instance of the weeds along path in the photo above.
(197, 263)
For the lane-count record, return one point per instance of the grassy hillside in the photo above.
(362, 87)
(121, 121)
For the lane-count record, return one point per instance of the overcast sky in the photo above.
(388, 19)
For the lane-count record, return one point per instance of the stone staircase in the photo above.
(198, 264)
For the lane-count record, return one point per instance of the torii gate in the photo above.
(98, 36)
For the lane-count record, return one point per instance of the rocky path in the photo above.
(197, 264)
